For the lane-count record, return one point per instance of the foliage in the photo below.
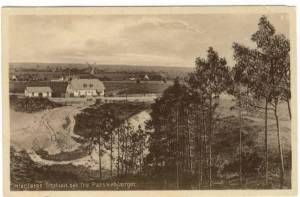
(107, 124)
(265, 72)
(31, 105)
(163, 142)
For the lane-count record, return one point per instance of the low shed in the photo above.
(41, 91)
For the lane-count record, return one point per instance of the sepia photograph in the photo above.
(158, 98)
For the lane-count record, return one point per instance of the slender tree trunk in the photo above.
(132, 170)
(198, 145)
(289, 108)
(210, 167)
(122, 154)
(183, 152)
(200, 149)
(141, 156)
(126, 156)
(111, 154)
(169, 152)
(204, 138)
(266, 143)
(189, 145)
(123, 157)
(210, 141)
(100, 167)
(118, 161)
(240, 149)
(279, 147)
(177, 151)
(202, 145)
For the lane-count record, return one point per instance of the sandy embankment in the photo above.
(51, 131)
(44, 130)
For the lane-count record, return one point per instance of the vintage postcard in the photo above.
(159, 100)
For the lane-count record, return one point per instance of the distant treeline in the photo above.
(44, 71)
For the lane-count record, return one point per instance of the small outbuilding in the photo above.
(40, 91)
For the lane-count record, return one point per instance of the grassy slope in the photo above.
(226, 147)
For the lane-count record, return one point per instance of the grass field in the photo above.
(131, 87)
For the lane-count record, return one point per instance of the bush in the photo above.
(30, 105)
(252, 164)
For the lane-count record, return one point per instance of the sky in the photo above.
(151, 40)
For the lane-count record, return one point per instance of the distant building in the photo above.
(58, 79)
(14, 78)
(92, 71)
(41, 91)
(146, 77)
(85, 87)
(132, 78)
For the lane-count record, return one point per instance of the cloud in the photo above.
(148, 37)
(166, 23)
(129, 39)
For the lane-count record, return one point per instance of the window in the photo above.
(91, 85)
(84, 85)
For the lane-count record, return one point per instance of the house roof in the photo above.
(39, 89)
(87, 84)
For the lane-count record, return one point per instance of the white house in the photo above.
(85, 87)
(41, 91)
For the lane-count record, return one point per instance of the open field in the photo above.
(131, 87)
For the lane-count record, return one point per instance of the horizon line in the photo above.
(102, 64)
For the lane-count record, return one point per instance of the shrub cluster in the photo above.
(30, 105)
